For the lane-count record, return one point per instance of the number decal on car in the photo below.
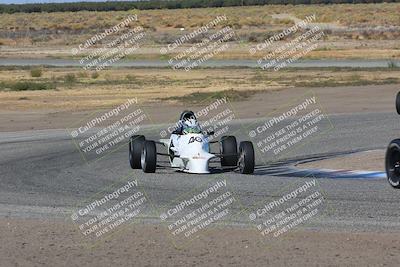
(195, 139)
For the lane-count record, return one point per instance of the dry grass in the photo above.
(384, 14)
(366, 32)
(150, 85)
(251, 23)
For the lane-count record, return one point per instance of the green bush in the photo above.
(198, 97)
(70, 78)
(36, 72)
(130, 77)
(95, 75)
(82, 74)
(392, 65)
(25, 86)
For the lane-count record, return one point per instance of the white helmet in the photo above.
(189, 123)
(192, 122)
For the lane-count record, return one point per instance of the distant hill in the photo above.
(167, 4)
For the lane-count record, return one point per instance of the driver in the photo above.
(187, 123)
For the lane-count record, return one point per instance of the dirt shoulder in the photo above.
(342, 99)
(66, 89)
(55, 243)
(364, 161)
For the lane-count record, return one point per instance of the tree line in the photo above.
(166, 4)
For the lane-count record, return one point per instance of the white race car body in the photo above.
(189, 152)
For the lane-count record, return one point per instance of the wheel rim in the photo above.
(143, 157)
(394, 167)
(241, 160)
(130, 150)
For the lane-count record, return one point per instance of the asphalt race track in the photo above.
(43, 175)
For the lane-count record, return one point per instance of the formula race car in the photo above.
(188, 150)
(392, 160)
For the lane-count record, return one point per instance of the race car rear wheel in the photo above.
(246, 157)
(228, 145)
(149, 156)
(135, 150)
(392, 163)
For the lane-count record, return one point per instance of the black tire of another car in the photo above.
(392, 163)
(398, 103)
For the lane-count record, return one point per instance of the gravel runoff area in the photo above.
(56, 243)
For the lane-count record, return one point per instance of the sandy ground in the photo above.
(56, 243)
(333, 100)
(348, 49)
(363, 161)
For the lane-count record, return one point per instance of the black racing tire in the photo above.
(135, 150)
(398, 103)
(149, 157)
(246, 157)
(392, 163)
(228, 145)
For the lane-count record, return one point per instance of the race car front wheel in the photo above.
(246, 157)
(228, 146)
(135, 150)
(149, 157)
(392, 163)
